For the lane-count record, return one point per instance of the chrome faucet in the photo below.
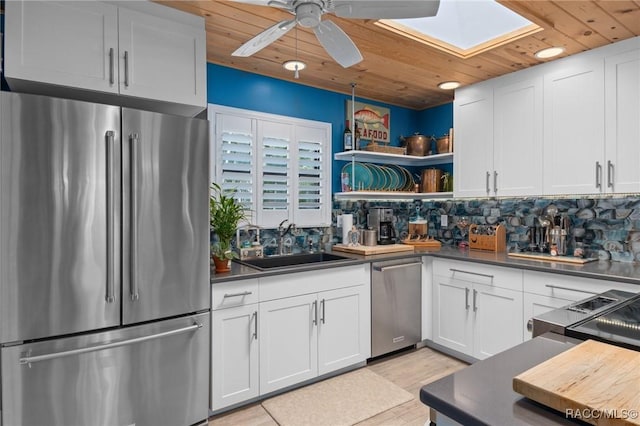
(281, 234)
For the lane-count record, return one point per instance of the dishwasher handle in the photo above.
(387, 268)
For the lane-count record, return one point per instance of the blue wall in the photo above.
(240, 89)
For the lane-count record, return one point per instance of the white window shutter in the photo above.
(274, 173)
(235, 158)
(310, 183)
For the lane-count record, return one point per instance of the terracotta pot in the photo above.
(222, 265)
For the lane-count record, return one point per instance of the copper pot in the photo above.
(431, 180)
(419, 145)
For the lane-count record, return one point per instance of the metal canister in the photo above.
(370, 237)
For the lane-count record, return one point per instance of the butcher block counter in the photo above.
(482, 394)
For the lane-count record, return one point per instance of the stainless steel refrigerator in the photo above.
(104, 266)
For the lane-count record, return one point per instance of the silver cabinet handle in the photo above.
(530, 325)
(488, 176)
(244, 293)
(126, 69)
(495, 182)
(570, 289)
(315, 312)
(37, 358)
(387, 268)
(598, 175)
(466, 298)
(111, 187)
(610, 174)
(471, 273)
(475, 295)
(322, 305)
(255, 325)
(134, 216)
(111, 67)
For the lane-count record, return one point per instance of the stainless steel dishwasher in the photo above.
(396, 299)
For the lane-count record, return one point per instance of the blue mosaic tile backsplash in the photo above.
(606, 228)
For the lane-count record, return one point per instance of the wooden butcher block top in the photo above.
(369, 250)
(598, 379)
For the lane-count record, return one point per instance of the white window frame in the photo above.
(299, 131)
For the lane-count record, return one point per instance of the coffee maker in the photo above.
(381, 219)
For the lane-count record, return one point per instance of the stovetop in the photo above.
(619, 326)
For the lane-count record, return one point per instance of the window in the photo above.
(280, 166)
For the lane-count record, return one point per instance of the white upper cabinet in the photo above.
(473, 133)
(62, 42)
(517, 130)
(498, 133)
(574, 127)
(161, 58)
(142, 50)
(622, 123)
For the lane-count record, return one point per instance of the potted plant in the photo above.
(225, 212)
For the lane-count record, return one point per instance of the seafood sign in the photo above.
(373, 121)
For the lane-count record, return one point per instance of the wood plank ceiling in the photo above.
(400, 71)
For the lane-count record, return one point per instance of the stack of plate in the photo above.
(373, 177)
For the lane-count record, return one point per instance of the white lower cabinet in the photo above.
(303, 325)
(536, 304)
(234, 355)
(343, 335)
(477, 308)
(288, 342)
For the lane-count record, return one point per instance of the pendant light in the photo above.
(295, 65)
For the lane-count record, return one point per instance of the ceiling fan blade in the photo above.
(265, 38)
(384, 9)
(337, 44)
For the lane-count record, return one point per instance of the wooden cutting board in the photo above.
(369, 250)
(593, 377)
(548, 258)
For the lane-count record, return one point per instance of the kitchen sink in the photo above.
(268, 263)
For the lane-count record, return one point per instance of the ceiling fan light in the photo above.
(449, 85)
(549, 52)
(294, 66)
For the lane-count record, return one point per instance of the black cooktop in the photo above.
(620, 326)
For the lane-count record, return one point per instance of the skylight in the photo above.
(464, 27)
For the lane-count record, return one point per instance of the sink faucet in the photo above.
(281, 233)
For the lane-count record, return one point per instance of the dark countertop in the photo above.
(482, 394)
(617, 271)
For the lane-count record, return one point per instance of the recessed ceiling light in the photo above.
(449, 85)
(549, 52)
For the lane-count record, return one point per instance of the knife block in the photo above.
(496, 242)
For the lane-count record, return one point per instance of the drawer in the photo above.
(570, 287)
(509, 278)
(234, 293)
(295, 284)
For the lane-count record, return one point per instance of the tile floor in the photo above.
(410, 370)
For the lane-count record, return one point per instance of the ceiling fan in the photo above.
(308, 13)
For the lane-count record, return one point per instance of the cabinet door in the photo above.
(497, 320)
(574, 128)
(622, 108)
(536, 304)
(452, 325)
(288, 341)
(234, 355)
(161, 58)
(343, 335)
(517, 147)
(473, 130)
(67, 43)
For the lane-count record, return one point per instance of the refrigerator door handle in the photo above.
(110, 296)
(133, 138)
(31, 359)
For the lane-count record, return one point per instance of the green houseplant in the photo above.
(225, 212)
